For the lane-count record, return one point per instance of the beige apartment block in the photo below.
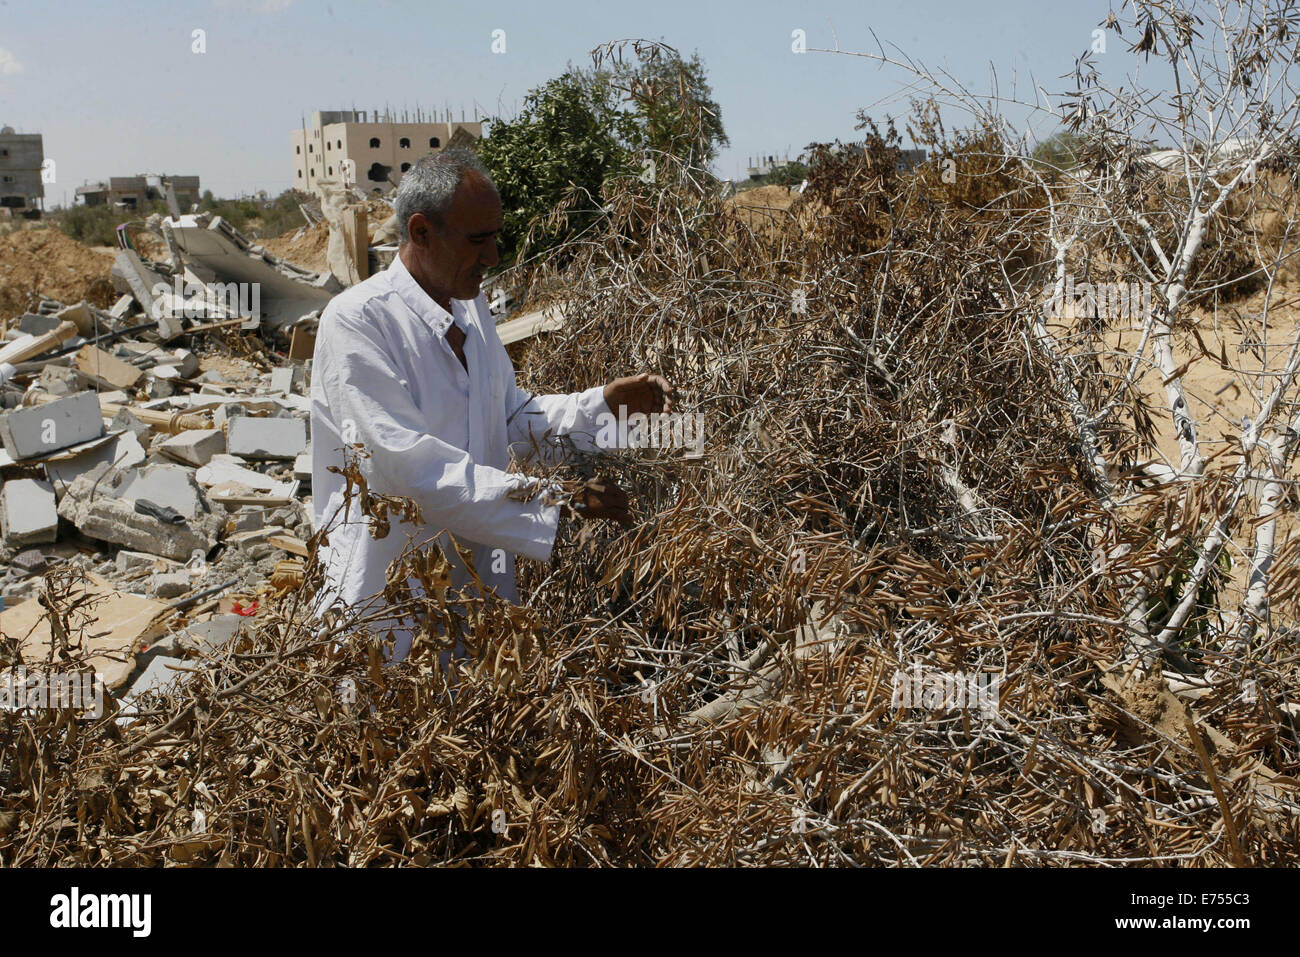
(380, 147)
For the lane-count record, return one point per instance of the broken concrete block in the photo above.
(106, 371)
(32, 561)
(266, 438)
(122, 451)
(167, 585)
(206, 637)
(194, 446)
(282, 379)
(129, 561)
(302, 466)
(188, 364)
(81, 316)
(122, 308)
(28, 513)
(227, 411)
(59, 380)
(167, 372)
(168, 486)
(41, 429)
(95, 505)
(162, 674)
(245, 520)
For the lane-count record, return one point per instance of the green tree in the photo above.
(673, 104)
(578, 130)
(568, 137)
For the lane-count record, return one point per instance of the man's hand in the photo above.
(644, 393)
(600, 498)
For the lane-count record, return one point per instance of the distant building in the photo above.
(135, 192)
(380, 148)
(22, 155)
(760, 166)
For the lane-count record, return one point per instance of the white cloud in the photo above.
(9, 65)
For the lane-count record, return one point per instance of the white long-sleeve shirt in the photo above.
(384, 376)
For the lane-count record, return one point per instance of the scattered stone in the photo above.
(167, 585)
(28, 512)
(268, 438)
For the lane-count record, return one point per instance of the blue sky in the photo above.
(116, 88)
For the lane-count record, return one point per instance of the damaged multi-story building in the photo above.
(374, 148)
(136, 192)
(22, 190)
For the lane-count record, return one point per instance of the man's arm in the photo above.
(362, 386)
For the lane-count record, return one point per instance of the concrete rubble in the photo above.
(142, 450)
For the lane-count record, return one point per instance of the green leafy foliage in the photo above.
(576, 132)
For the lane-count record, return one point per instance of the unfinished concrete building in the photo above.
(135, 192)
(22, 191)
(381, 146)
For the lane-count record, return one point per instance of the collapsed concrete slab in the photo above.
(39, 430)
(217, 254)
(94, 504)
(28, 515)
(131, 275)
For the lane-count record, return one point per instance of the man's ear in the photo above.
(422, 229)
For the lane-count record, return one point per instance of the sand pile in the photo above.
(44, 261)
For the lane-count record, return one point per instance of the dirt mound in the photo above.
(45, 262)
(765, 209)
(306, 247)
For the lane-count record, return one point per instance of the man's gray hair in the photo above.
(429, 185)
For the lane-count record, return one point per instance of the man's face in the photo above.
(454, 258)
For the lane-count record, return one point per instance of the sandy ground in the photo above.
(1218, 397)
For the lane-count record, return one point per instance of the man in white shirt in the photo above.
(409, 366)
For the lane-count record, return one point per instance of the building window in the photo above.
(405, 167)
(311, 172)
(308, 147)
(339, 144)
(300, 174)
(434, 142)
(8, 179)
(4, 152)
(298, 150)
(378, 173)
(374, 142)
(327, 146)
(404, 143)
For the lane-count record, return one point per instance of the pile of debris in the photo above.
(173, 487)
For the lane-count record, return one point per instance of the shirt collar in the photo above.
(421, 303)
